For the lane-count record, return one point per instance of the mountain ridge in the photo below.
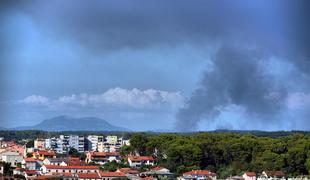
(67, 123)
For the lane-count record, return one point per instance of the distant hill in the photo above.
(67, 123)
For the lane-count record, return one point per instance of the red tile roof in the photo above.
(250, 174)
(104, 154)
(275, 173)
(31, 172)
(70, 167)
(129, 171)
(30, 159)
(66, 174)
(156, 168)
(46, 177)
(88, 175)
(112, 174)
(147, 178)
(45, 153)
(200, 172)
(141, 158)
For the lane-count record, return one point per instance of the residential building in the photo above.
(138, 161)
(112, 175)
(272, 175)
(92, 142)
(31, 163)
(41, 155)
(11, 157)
(1, 169)
(53, 161)
(71, 161)
(198, 175)
(249, 176)
(158, 172)
(102, 157)
(50, 169)
(77, 142)
(88, 176)
(110, 144)
(39, 144)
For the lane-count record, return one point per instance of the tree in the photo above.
(138, 142)
(73, 152)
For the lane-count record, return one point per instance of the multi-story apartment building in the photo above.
(111, 144)
(92, 142)
(77, 142)
(63, 144)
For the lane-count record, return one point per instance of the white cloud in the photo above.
(116, 97)
(36, 100)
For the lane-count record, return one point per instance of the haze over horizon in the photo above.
(181, 65)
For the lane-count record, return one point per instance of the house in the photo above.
(112, 175)
(158, 172)
(88, 176)
(129, 171)
(198, 175)
(235, 178)
(272, 175)
(31, 164)
(53, 161)
(29, 174)
(71, 161)
(138, 161)
(102, 157)
(249, 176)
(39, 144)
(1, 169)
(11, 157)
(50, 169)
(43, 154)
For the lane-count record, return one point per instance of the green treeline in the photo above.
(225, 153)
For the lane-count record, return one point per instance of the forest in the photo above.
(225, 153)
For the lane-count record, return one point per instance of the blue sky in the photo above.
(157, 65)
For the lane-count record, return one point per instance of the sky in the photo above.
(157, 65)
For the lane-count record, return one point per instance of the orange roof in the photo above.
(30, 172)
(66, 174)
(147, 178)
(129, 171)
(156, 168)
(30, 159)
(45, 153)
(275, 173)
(46, 176)
(105, 154)
(141, 158)
(112, 174)
(251, 174)
(199, 172)
(20, 169)
(88, 175)
(70, 167)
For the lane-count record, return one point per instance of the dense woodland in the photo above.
(226, 153)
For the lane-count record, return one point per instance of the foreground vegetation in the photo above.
(225, 153)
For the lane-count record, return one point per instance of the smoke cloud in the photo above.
(239, 77)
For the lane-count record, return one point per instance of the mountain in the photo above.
(67, 123)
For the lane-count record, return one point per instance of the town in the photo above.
(103, 157)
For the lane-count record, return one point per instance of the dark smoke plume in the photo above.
(236, 78)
